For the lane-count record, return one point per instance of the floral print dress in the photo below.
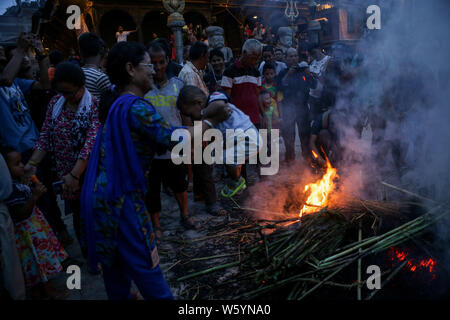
(68, 138)
(39, 250)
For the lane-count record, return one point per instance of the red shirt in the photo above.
(245, 84)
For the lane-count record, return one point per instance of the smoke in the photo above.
(399, 98)
(392, 119)
(280, 196)
(401, 94)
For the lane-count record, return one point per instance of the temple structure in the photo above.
(322, 21)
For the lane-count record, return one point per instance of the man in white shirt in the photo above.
(122, 35)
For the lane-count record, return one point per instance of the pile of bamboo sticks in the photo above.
(299, 259)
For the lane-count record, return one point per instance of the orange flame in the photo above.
(319, 190)
(315, 154)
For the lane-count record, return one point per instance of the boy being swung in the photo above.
(242, 148)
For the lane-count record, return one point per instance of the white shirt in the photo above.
(122, 36)
(237, 120)
(318, 67)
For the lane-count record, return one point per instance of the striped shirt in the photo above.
(96, 81)
(245, 84)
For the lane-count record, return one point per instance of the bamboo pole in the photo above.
(325, 280)
(213, 257)
(406, 192)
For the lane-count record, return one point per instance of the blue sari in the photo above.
(115, 175)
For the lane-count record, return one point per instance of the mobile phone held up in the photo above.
(58, 187)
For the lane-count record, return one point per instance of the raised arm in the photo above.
(150, 124)
(12, 68)
(44, 63)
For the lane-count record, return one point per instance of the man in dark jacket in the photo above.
(294, 83)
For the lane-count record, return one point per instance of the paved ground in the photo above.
(92, 286)
(176, 256)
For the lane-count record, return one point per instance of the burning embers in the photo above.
(319, 191)
(413, 265)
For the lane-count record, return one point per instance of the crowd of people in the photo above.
(95, 130)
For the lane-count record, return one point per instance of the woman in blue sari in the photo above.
(117, 227)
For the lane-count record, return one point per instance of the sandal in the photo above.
(230, 191)
(189, 223)
(216, 210)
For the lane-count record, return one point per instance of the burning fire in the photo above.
(320, 190)
(426, 264)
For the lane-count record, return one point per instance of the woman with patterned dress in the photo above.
(68, 134)
(118, 230)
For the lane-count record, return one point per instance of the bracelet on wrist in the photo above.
(74, 176)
